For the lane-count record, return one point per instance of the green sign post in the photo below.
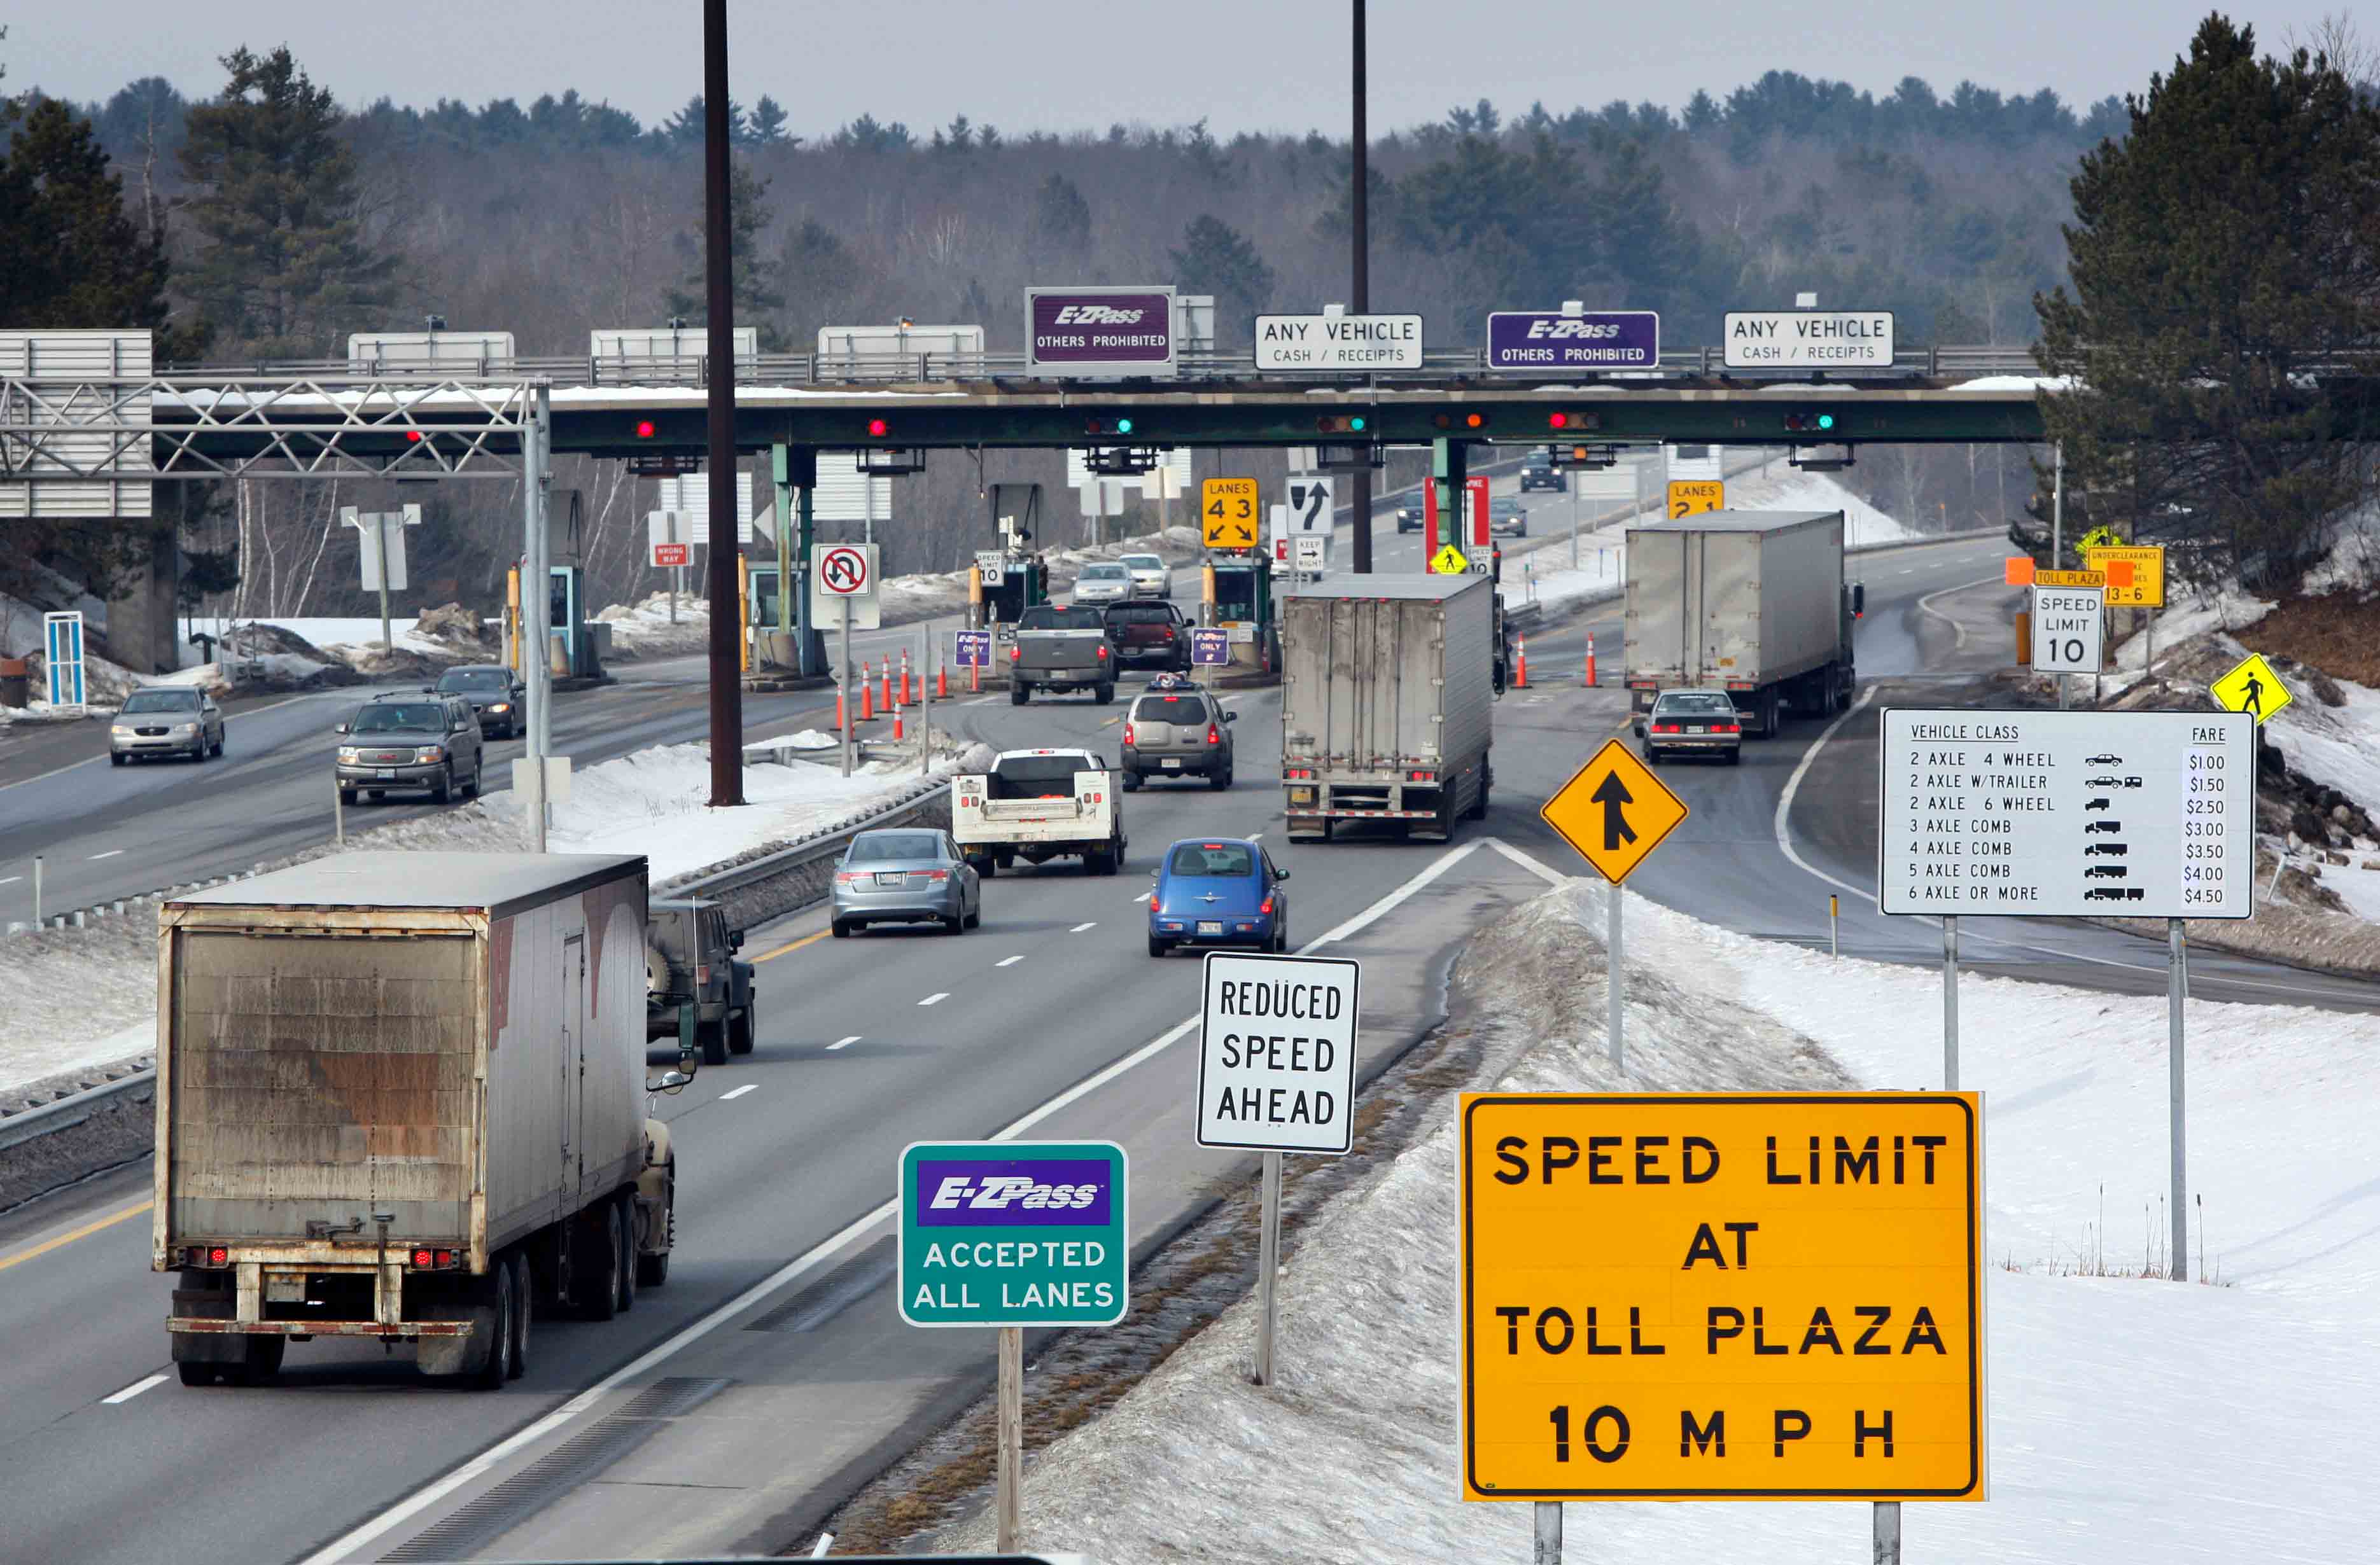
(1012, 1234)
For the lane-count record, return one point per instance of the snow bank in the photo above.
(2335, 745)
(2130, 1419)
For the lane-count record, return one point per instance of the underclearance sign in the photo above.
(1722, 1296)
(1277, 1052)
(1013, 1233)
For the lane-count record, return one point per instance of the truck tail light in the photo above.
(1299, 772)
(1128, 735)
(702, 974)
(430, 1260)
(1421, 776)
(200, 1254)
(1014, 652)
(1104, 651)
(1214, 734)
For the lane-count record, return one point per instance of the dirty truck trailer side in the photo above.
(402, 1094)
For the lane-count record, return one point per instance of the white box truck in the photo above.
(401, 1096)
(1387, 683)
(1751, 602)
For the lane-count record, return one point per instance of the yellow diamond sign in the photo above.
(1615, 812)
(2251, 687)
(1448, 560)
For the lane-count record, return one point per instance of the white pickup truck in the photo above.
(1039, 805)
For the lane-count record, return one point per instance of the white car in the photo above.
(1150, 577)
(1107, 582)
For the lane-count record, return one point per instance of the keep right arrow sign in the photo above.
(1615, 812)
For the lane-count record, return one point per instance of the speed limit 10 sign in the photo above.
(2067, 622)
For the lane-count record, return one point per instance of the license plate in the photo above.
(899, 878)
(1698, 728)
(1209, 927)
(386, 773)
(1172, 763)
(285, 1290)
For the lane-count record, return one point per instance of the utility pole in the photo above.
(726, 670)
(1359, 293)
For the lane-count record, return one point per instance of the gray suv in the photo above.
(1176, 729)
(418, 740)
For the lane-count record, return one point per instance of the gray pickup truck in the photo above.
(1061, 648)
(690, 960)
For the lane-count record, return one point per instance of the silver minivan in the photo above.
(1176, 729)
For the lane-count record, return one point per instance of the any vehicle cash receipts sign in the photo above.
(1013, 1233)
(1277, 1053)
(1722, 1296)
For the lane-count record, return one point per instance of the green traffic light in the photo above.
(1123, 426)
(1356, 424)
(1825, 420)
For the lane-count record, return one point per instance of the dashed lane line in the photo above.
(109, 854)
(125, 1395)
(935, 999)
(731, 1097)
(1010, 961)
(842, 1043)
(1078, 929)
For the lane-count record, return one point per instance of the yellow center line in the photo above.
(792, 945)
(85, 1231)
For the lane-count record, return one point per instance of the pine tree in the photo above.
(769, 124)
(285, 265)
(2220, 251)
(1217, 259)
(752, 278)
(1061, 219)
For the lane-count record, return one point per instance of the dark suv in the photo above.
(498, 699)
(1149, 632)
(690, 960)
(1409, 514)
(420, 739)
(1540, 472)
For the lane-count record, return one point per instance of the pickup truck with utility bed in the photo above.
(1037, 805)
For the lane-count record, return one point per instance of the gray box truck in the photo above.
(1751, 602)
(1388, 683)
(401, 1096)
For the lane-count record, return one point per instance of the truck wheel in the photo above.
(740, 1033)
(522, 1308)
(1132, 782)
(595, 1262)
(196, 1374)
(1218, 780)
(1019, 693)
(1478, 810)
(712, 1036)
(492, 1376)
(1104, 695)
(986, 866)
(625, 1280)
(654, 1271)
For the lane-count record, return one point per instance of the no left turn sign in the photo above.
(843, 572)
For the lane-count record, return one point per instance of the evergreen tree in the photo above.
(1217, 259)
(285, 266)
(769, 124)
(1061, 219)
(2220, 252)
(752, 278)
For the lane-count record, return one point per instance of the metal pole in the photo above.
(726, 666)
(2176, 993)
(536, 576)
(1617, 991)
(842, 685)
(1834, 908)
(37, 890)
(1359, 290)
(926, 706)
(1012, 1435)
(379, 533)
(1887, 1532)
(1267, 1267)
(338, 812)
(1547, 1550)
(1950, 1003)
(1572, 483)
(2056, 504)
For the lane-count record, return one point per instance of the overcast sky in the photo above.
(1064, 65)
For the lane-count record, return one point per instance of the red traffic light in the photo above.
(644, 429)
(876, 428)
(412, 437)
(1558, 420)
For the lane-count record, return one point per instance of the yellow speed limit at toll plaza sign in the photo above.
(1724, 1296)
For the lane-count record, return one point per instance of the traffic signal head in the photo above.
(1573, 421)
(1810, 423)
(644, 429)
(1344, 424)
(1461, 420)
(1107, 427)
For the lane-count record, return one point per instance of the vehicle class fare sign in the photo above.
(1277, 1052)
(1722, 1296)
(2048, 814)
(1013, 1233)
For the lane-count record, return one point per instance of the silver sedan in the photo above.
(1106, 582)
(905, 875)
(1151, 575)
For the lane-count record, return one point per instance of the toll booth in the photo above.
(579, 644)
(1011, 586)
(1244, 606)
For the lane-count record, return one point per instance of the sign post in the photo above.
(1277, 1074)
(1015, 1234)
(1614, 812)
(842, 578)
(1210, 646)
(382, 554)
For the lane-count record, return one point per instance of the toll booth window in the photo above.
(557, 602)
(764, 599)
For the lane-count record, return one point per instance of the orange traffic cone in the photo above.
(840, 722)
(1590, 658)
(888, 685)
(908, 697)
(866, 695)
(941, 682)
(898, 731)
(1520, 664)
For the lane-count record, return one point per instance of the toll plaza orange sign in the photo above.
(1722, 1296)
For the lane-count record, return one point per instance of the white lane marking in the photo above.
(811, 1261)
(979, 700)
(1957, 631)
(1550, 876)
(1080, 928)
(109, 854)
(11, 880)
(1009, 961)
(731, 1097)
(132, 1390)
(935, 999)
(843, 1043)
(1144, 896)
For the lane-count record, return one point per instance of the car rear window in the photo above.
(475, 679)
(1030, 777)
(1216, 860)
(1140, 614)
(1050, 617)
(881, 846)
(1693, 705)
(1169, 709)
(1104, 573)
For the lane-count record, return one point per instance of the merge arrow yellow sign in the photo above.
(2253, 688)
(1615, 812)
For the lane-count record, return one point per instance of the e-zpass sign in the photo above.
(1013, 1233)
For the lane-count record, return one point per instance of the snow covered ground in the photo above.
(2130, 1419)
(70, 998)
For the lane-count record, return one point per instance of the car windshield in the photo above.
(1694, 703)
(1104, 573)
(877, 848)
(1139, 614)
(1501, 507)
(1215, 860)
(1142, 562)
(465, 679)
(1169, 709)
(161, 701)
(390, 716)
(1050, 617)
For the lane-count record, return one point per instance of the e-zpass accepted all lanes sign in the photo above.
(1013, 1233)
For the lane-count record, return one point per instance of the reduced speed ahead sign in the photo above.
(1277, 1053)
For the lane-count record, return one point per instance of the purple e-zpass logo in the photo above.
(1547, 339)
(1098, 327)
(1014, 1193)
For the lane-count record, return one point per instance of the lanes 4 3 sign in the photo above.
(1782, 1298)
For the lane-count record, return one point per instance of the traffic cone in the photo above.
(866, 695)
(941, 681)
(975, 678)
(1520, 664)
(1590, 658)
(888, 685)
(841, 721)
(898, 731)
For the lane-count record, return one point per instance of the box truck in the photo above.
(1751, 602)
(401, 1096)
(1387, 687)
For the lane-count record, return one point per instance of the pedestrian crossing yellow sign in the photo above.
(2251, 687)
(1448, 560)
